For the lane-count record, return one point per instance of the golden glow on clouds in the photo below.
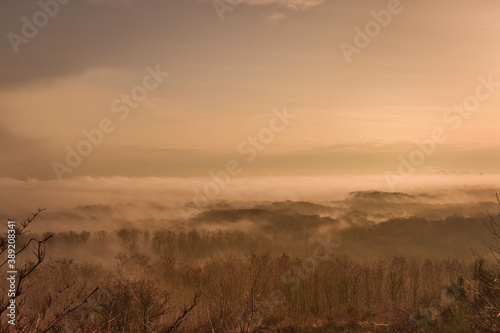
(226, 77)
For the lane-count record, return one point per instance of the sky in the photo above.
(219, 73)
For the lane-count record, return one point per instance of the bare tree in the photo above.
(26, 270)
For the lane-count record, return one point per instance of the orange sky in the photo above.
(226, 78)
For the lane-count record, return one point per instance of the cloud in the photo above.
(276, 17)
(431, 221)
(267, 221)
(309, 204)
(109, 2)
(290, 4)
(112, 3)
(16, 145)
(442, 171)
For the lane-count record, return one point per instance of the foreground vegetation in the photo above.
(231, 281)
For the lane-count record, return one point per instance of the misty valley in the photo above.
(370, 261)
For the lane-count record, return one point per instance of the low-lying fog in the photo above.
(426, 215)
